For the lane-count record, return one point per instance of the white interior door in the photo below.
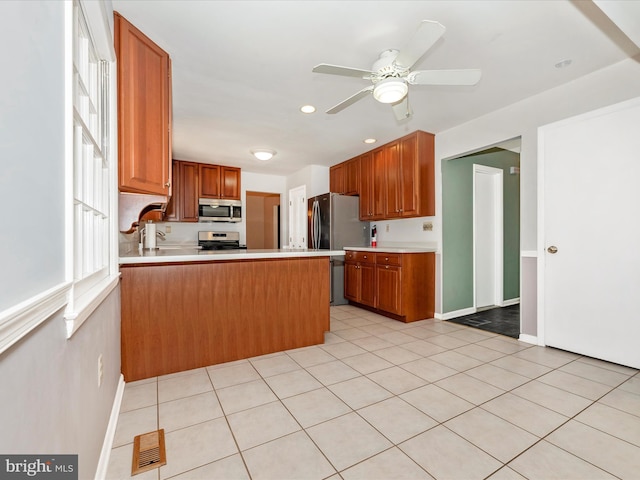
(298, 217)
(487, 232)
(590, 217)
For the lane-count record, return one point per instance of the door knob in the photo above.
(552, 249)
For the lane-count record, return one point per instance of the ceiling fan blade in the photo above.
(445, 77)
(426, 36)
(344, 71)
(351, 100)
(401, 109)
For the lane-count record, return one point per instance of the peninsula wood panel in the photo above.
(178, 317)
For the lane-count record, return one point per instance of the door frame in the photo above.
(497, 175)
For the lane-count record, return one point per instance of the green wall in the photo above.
(457, 227)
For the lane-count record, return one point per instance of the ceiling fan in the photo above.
(391, 74)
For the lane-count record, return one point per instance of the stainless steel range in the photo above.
(220, 241)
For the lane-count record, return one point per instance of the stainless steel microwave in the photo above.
(214, 210)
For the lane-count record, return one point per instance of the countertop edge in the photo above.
(394, 249)
(192, 255)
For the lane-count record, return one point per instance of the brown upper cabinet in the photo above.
(219, 182)
(344, 178)
(193, 180)
(144, 112)
(395, 180)
(183, 206)
(336, 178)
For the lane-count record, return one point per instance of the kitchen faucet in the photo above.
(143, 237)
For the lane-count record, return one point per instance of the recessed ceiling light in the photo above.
(307, 109)
(263, 153)
(563, 63)
(369, 140)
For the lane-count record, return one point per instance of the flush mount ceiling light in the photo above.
(390, 90)
(369, 140)
(307, 109)
(263, 153)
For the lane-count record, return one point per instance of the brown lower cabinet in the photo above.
(177, 317)
(397, 285)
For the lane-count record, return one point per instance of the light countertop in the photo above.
(395, 249)
(175, 255)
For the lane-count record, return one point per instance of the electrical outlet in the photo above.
(386, 228)
(167, 229)
(100, 370)
(427, 227)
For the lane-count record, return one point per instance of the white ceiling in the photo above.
(242, 69)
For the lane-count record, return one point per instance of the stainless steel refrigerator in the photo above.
(334, 224)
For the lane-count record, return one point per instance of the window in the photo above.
(91, 249)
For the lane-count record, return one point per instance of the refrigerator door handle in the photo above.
(319, 228)
(315, 217)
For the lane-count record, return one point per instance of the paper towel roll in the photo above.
(150, 236)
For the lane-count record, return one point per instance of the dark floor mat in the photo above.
(502, 320)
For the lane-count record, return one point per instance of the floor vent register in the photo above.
(148, 452)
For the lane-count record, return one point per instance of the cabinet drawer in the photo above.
(388, 259)
(349, 256)
(365, 257)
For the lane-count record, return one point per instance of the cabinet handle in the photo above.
(168, 184)
(386, 259)
(365, 257)
(386, 266)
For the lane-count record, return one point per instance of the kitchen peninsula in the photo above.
(189, 308)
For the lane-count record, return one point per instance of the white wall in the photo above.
(610, 85)
(50, 401)
(32, 140)
(315, 177)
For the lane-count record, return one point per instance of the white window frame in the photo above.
(91, 245)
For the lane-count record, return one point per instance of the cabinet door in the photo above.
(379, 182)
(173, 207)
(336, 179)
(351, 281)
(352, 176)
(209, 181)
(144, 158)
(188, 192)
(409, 176)
(366, 186)
(388, 291)
(392, 168)
(368, 284)
(230, 183)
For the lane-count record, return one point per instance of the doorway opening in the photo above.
(481, 235)
(262, 215)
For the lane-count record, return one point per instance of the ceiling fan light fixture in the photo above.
(263, 154)
(390, 90)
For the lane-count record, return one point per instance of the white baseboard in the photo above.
(528, 338)
(510, 301)
(456, 313)
(107, 444)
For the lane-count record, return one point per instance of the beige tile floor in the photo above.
(385, 400)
